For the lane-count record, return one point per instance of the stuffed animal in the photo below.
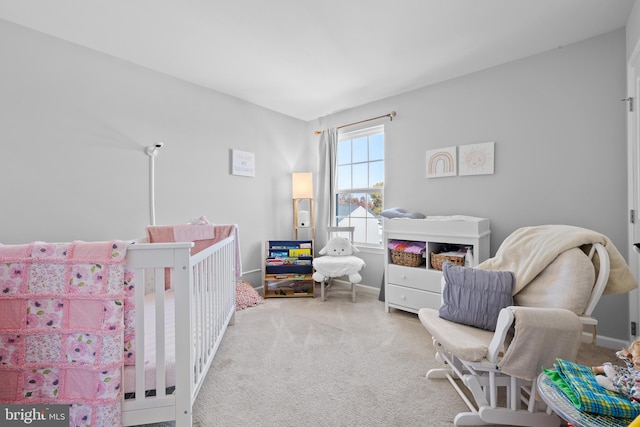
(622, 379)
(340, 247)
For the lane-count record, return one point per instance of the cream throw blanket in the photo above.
(529, 250)
(541, 335)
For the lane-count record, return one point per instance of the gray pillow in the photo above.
(401, 213)
(475, 297)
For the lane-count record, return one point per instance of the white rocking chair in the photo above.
(483, 361)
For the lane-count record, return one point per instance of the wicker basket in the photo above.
(438, 259)
(406, 258)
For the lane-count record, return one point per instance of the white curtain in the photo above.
(325, 202)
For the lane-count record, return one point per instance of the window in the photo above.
(360, 183)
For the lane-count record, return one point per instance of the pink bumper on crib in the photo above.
(202, 236)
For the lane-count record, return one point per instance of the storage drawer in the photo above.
(411, 299)
(414, 277)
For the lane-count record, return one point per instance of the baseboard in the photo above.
(359, 287)
(606, 342)
(368, 289)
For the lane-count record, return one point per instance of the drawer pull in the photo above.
(403, 276)
(402, 297)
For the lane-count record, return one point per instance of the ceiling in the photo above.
(308, 59)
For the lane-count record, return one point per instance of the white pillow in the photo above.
(566, 283)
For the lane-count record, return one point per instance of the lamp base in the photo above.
(303, 219)
(304, 233)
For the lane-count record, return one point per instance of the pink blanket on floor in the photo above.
(62, 326)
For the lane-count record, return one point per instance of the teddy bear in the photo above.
(338, 247)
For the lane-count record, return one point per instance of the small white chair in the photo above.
(336, 265)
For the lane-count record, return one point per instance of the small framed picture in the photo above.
(476, 159)
(243, 163)
(441, 162)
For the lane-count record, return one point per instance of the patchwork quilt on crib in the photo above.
(62, 327)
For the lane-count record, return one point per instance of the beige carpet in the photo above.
(304, 362)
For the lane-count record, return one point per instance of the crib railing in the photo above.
(204, 289)
(213, 303)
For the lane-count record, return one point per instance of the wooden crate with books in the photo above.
(288, 269)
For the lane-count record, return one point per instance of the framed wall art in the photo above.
(441, 162)
(476, 159)
(243, 163)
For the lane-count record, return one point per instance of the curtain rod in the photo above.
(391, 115)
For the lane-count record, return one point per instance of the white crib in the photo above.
(204, 287)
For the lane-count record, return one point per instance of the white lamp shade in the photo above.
(302, 185)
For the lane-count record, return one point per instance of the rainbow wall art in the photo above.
(441, 162)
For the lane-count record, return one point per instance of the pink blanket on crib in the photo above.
(202, 236)
(62, 327)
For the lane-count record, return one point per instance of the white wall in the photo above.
(560, 148)
(73, 128)
(633, 29)
(74, 124)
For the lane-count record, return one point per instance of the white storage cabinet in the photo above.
(412, 288)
